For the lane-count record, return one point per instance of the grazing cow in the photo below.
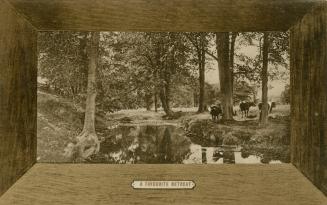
(271, 105)
(245, 107)
(215, 111)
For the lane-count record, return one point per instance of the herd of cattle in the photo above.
(216, 110)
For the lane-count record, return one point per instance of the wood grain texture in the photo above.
(48, 184)
(309, 95)
(163, 15)
(110, 184)
(18, 60)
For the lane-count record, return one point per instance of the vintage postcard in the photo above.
(163, 102)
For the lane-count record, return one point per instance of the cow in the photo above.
(215, 111)
(245, 107)
(271, 105)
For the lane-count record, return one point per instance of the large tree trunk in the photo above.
(264, 77)
(87, 140)
(231, 57)
(164, 74)
(225, 74)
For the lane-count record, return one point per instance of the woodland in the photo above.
(102, 73)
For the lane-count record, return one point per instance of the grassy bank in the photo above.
(60, 121)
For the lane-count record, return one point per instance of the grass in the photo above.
(60, 121)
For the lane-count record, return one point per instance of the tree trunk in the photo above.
(155, 101)
(201, 58)
(163, 99)
(264, 77)
(91, 85)
(148, 101)
(148, 107)
(231, 57)
(167, 93)
(201, 90)
(195, 99)
(254, 97)
(225, 74)
(84, 60)
(87, 140)
(201, 80)
(164, 74)
(83, 52)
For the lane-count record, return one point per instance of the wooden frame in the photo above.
(21, 19)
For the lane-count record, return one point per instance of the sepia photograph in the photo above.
(163, 102)
(165, 97)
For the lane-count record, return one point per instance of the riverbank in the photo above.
(59, 122)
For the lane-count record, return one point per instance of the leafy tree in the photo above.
(63, 62)
(249, 67)
(271, 61)
(122, 84)
(200, 43)
(164, 59)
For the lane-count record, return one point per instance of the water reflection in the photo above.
(158, 144)
(144, 144)
(223, 155)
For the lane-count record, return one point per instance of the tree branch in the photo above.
(211, 55)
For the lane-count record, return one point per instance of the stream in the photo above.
(170, 144)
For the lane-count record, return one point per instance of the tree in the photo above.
(162, 61)
(225, 73)
(233, 36)
(87, 140)
(63, 67)
(264, 77)
(117, 79)
(126, 78)
(199, 42)
(225, 47)
(249, 67)
(271, 62)
(160, 56)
